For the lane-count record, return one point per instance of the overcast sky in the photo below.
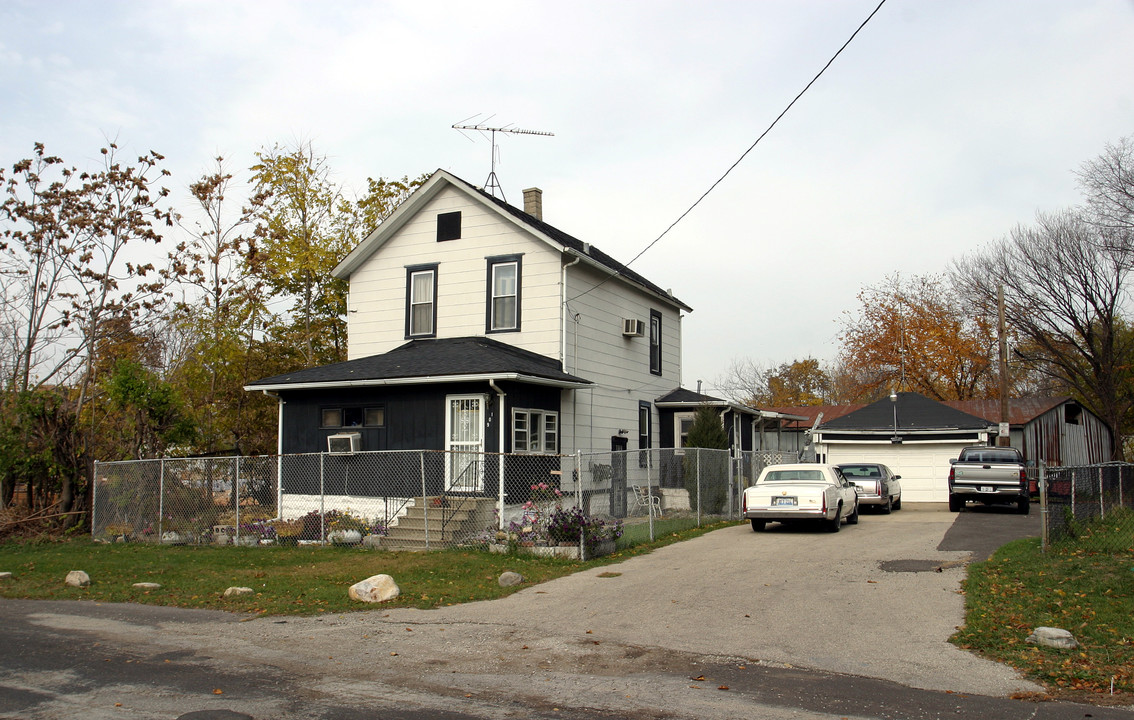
(944, 124)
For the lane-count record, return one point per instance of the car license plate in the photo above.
(987, 488)
(783, 501)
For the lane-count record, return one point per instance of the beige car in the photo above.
(876, 485)
(801, 492)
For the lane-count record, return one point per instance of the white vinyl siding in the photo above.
(614, 362)
(377, 296)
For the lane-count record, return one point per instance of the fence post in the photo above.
(731, 483)
(424, 504)
(1102, 497)
(649, 494)
(236, 495)
(322, 503)
(94, 502)
(161, 499)
(500, 490)
(1045, 538)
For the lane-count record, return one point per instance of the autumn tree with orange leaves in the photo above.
(914, 334)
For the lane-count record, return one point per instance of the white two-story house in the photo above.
(475, 327)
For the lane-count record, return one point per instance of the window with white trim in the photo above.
(535, 431)
(421, 305)
(503, 294)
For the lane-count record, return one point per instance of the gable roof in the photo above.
(430, 361)
(541, 230)
(914, 412)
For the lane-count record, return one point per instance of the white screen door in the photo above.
(464, 430)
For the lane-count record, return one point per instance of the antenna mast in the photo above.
(492, 184)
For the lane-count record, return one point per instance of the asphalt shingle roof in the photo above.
(431, 358)
(915, 412)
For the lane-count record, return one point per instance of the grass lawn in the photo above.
(1084, 585)
(303, 580)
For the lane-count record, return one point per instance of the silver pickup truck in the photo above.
(988, 475)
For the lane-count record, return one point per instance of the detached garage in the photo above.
(915, 436)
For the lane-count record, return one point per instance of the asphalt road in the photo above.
(780, 624)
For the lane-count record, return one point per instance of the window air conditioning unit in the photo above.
(632, 327)
(344, 443)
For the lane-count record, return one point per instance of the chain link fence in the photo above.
(1076, 501)
(418, 499)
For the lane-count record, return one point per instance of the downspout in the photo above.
(279, 452)
(563, 289)
(563, 353)
(500, 466)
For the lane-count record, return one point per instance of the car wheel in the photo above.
(898, 503)
(1024, 505)
(836, 524)
(955, 503)
(888, 506)
(852, 519)
(758, 525)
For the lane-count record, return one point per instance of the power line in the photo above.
(745, 153)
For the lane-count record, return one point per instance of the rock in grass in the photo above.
(1053, 637)
(376, 588)
(509, 578)
(237, 591)
(5, 575)
(78, 578)
(147, 585)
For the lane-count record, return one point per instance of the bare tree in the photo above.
(1108, 183)
(1065, 295)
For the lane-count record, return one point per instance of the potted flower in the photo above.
(566, 527)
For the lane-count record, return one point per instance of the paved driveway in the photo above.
(879, 599)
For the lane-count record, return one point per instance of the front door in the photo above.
(464, 432)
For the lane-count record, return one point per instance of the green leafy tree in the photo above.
(310, 229)
(157, 415)
(706, 473)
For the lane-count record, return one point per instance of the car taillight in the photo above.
(744, 502)
(1023, 477)
(952, 474)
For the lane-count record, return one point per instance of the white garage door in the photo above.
(924, 468)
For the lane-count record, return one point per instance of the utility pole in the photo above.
(1002, 439)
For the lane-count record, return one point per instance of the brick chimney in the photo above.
(533, 202)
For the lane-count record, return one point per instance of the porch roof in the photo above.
(681, 398)
(418, 362)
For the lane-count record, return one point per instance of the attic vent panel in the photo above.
(449, 226)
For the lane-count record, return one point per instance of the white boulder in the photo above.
(78, 578)
(1053, 637)
(238, 591)
(376, 588)
(509, 578)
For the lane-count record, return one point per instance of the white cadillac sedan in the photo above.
(805, 491)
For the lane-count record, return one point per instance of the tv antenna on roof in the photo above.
(492, 184)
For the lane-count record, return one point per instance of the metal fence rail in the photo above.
(1073, 499)
(411, 499)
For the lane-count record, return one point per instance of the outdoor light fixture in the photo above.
(894, 401)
